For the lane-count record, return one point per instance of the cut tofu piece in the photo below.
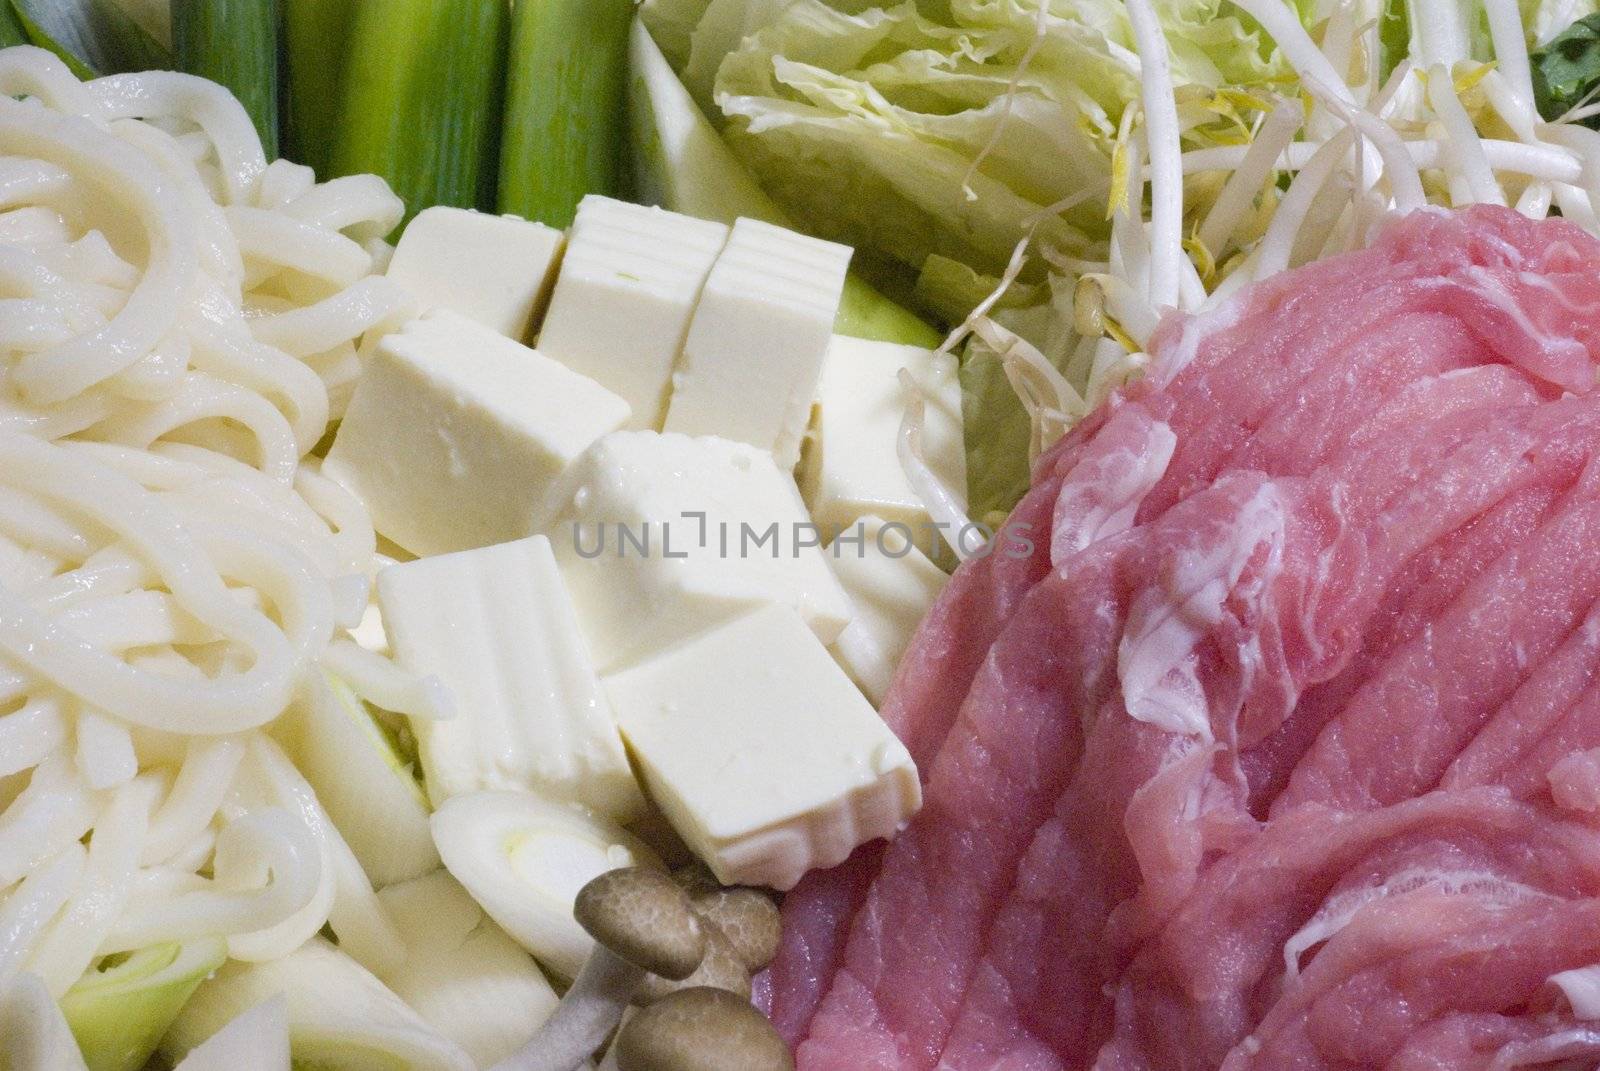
(496, 270)
(891, 585)
(660, 536)
(623, 301)
(755, 349)
(764, 756)
(852, 467)
(455, 434)
(496, 626)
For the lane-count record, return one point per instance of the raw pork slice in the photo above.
(1281, 749)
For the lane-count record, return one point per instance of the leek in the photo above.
(420, 98)
(565, 106)
(11, 29)
(33, 1035)
(367, 789)
(92, 37)
(119, 1013)
(235, 43)
(314, 37)
(339, 1015)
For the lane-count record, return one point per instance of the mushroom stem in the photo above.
(641, 923)
(589, 1012)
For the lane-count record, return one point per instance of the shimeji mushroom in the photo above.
(746, 916)
(643, 924)
(701, 1029)
(722, 968)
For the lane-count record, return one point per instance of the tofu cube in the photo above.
(622, 303)
(661, 536)
(892, 585)
(755, 349)
(762, 754)
(496, 270)
(455, 434)
(852, 467)
(497, 627)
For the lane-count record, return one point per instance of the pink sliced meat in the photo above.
(1195, 992)
(1400, 732)
(1406, 961)
(931, 683)
(1131, 770)
(1329, 556)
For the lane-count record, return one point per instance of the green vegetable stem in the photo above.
(566, 106)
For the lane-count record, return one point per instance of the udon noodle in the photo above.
(180, 320)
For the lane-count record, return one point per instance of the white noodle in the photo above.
(69, 947)
(30, 907)
(179, 321)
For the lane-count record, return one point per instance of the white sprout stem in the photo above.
(1535, 200)
(1575, 205)
(1510, 47)
(1019, 257)
(1128, 307)
(1387, 97)
(1129, 251)
(1191, 288)
(1282, 24)
(1095, 189)
(1405, 178)
(1273, 254)
(1439, 32)
(1546, 163)
(945, 506)
(1517, 113)
(1472, 166)
(1586, 143)
(1239, 192)
(1339, 36)
(1166, 153)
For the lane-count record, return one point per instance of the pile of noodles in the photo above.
(180, 320)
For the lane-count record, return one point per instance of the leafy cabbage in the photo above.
(912, 133)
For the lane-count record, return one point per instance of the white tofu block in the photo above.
(661, 536)
(455, 434)
(764, 756)
(852, 465)
(622, 303)
(496, 270)
(755, 349)
(496, 626)
(892, 585)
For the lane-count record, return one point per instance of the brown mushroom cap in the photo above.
(748, 918)
(696, 878)
(643, 917)
(701, 1030)
(722, 968)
